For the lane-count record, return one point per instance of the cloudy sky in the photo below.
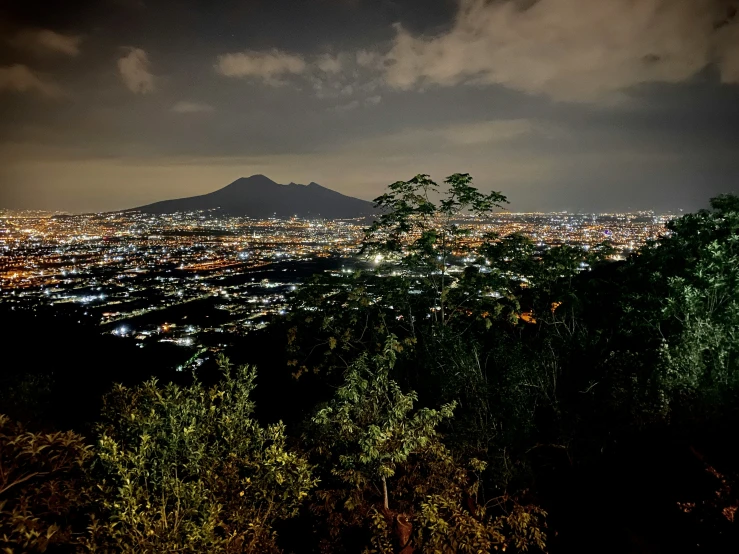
(561, 104)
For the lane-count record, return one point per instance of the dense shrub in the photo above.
(188, 469)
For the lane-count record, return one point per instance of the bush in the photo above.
(187, 469)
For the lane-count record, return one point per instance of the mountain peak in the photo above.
(259, 196)
(257, 179)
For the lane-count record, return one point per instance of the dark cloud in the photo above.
(45, 41)
(20, 78)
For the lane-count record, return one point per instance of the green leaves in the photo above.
(42, 487)
(371, 422)
(188, 469)
(461, 195)
(703, 304)
(391, 472)
(421, 238)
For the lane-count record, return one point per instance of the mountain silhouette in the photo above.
(260, 197)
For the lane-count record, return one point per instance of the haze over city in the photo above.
(580, 105)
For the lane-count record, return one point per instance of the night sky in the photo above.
(593, 105)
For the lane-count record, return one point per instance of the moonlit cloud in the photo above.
(328, 76)
(567, 50)
(367, 58)
(577, 50)
(336, 87)
(134, 70)
(329, 64)
(270, 66)
(43, 41)
(341, 77)
(20, 78)
(192, 107)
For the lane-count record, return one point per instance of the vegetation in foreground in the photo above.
(463, 397)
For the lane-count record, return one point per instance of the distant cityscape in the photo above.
(195, 278)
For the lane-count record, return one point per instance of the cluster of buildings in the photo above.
(625, 232)
(194, 278)
(42, 250)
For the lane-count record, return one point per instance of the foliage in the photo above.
(370, 424)
(445, 526)
(700, 358)
(541, 373)
(25, 397)
(423, 238)
(188, 469)
(334, 320)
(388, 472)
(663, 339)
(41, 487)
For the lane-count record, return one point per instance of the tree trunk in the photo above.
(403, 530)
(401, 526)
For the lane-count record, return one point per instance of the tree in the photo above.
(699, 359)
(370, 420)
(388, 472)
(187, 469)
(423, 238)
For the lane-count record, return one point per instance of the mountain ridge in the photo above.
(260, 197)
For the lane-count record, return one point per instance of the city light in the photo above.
(124, 266)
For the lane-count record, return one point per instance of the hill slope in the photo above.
(260, 197)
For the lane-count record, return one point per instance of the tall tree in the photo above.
(422, 237)
(387, 471)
